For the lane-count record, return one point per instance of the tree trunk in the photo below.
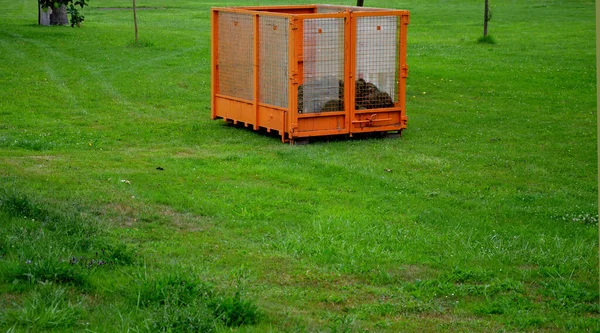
(486, 18)
(59, 16)
(44, 16)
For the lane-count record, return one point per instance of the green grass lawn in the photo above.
(483, 217)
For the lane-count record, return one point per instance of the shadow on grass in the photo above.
(489, 39)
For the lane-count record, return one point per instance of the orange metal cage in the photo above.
(311, 70)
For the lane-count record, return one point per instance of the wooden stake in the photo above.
(135, 22)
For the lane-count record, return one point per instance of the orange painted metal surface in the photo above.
(312, 70)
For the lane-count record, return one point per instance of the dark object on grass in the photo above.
(160, 168)
(486, 40)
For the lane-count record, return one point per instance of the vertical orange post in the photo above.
(403, 72)
(352, 74)
(295, 75)
(214, 18)
(292, 79)
(348, 107)
(299, 49)
(256, 71)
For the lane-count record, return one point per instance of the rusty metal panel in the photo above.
(377, 45)
(273, 60)
(323, 78)
(235, 54)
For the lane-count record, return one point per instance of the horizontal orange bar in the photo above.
(382, 13)
(306, 134)
(321, 114)
(321, 15)
(377, 110)
(273, 107)
(235, 99)
(370, 121)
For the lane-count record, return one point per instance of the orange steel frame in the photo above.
(287, 121)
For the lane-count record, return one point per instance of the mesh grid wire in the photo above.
(235, 54)
(377, 43)
(273, 60)
(323, 85)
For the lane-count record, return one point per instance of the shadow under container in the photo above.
(310, 70)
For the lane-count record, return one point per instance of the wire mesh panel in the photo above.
(235, 54)
(323, 78)
(330, 9)
(273, 60)
(377, 43)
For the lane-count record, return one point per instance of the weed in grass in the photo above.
(174, 289)
(571, 296)
(333, 299)
(235, 310)
(30, 226)
(527, 320)
(492, 288)
(442, 287)
(182, 296)
(51, 271)
(425, 290)
(43, 244)
(383, 277)
(195, 317)
(4, 246)
(34, 256)
(46, 307)
(584, 218)
(18, 205)
(405, 304)
(579, 324)
(130, 321)
(342, 323)
(462, 275)
(62, 222)
(28, 144)
(115, 253)
(509, 304)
